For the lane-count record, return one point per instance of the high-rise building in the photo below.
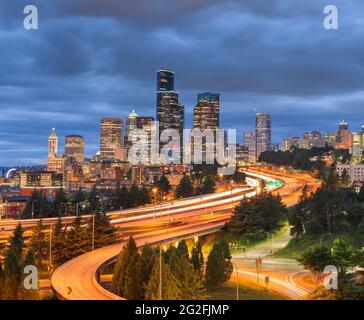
(130, 125)
(330, 139)
(52, 144)
(74, 147)
(313, 139)
(250, 143)
(362, 136)
(170, 113)
(206, 114)
(111, 139)
(344, 136)
(286, 144)
(165, 80)
(262, 133)
(55, 162)
(145, 124)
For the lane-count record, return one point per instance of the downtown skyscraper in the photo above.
(170, 113)
(111, 139)
(263, 133)
(206, 115)
(74, 147)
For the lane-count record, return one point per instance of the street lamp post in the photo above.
(160, 271)
(154, 190)
(237, 278)
(50, 244)
(93, 231)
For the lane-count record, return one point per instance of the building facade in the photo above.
(170, 113)
(262, 133)
(250, 143)
(74, 147)
(111, 139)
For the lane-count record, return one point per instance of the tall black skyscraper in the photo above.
(170, 113)
(165, 80)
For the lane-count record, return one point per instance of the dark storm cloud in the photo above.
(93, 58)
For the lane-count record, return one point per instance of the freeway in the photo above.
(9, 225)
(77, 279)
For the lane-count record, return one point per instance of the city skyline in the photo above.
(68, 75)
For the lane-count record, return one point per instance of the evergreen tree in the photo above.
(257, 216)
(228, 266)
(117, 197)
(105, 233)
(208, 185)
(163, 185)
(133, 287)
(143, 196)
(183, 250)
(38, 244)
(185, 188)
(343, 256)
(133, 195)
(77, 240)
(128, 253)
(17, 241)
(12, 274)
(170, 285)
(298, 216)
(361, 193)
(191, 283)
(215, 268)
(42, 207)
(145, 264)
(238, 177)
(58, 243)
(12, 269)
(60, 207)
(94, 200)
(197, 258)
(332, 180)
(316, 259)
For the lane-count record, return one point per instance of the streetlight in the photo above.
(93, 231)
(155, 190)
(50, 245)
(237, 278)
(160, 271)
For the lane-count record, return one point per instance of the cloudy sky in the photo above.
(96, 58)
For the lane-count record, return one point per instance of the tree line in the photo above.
(332, 209)
(256, 217)
(345, 258)
(67, 242)
(184, 275)
(85, 203)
